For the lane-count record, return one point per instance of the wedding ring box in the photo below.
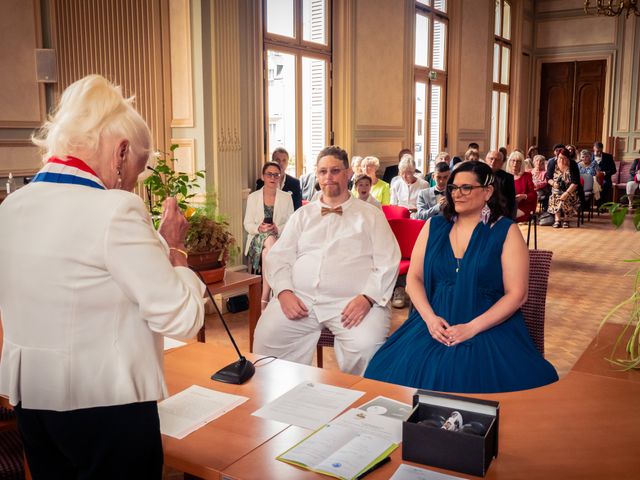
(469, 450)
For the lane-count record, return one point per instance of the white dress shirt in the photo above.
(407, 195)
(328, 260)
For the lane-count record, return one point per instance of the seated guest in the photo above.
(526, 196)
(472, 155)
(88, 289)
(538, 175)
(356, 166)
(505, 154)
(334, 266)
(634, 184)
(503, 181)
(379, 188)
(531, 154)
(467, 280)
(404, 192)
(308, 184)
(607, 166)
(268, 210)
(392, 170)
(432, 200)
(287, 182)
(587, 165)
(454, 161)
(563, 202)
(474, 146)
(441, 157)
(362, 184)
(573, 153)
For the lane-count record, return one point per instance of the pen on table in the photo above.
(382, 462)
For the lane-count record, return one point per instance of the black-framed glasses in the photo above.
(464, 189)
(275, 175)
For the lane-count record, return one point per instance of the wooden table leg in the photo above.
(255, 294)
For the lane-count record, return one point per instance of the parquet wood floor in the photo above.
(588, 277)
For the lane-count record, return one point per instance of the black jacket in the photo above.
(291, 184)
(504, 182)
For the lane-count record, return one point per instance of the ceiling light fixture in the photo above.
(612, 8)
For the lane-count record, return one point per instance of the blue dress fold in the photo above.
(500, 359)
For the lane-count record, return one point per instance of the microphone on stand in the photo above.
(239, 371)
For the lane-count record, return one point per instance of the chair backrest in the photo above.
(587, 182)
(395, 211)
(534, 308)
(406, 231)
(624, 172)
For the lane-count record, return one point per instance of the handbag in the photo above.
(545, 219)
(237, 304)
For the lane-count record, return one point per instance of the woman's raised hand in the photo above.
(173, 225)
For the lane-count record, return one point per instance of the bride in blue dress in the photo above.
(467, 280)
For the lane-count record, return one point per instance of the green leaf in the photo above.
(173, 147)
(617, 216)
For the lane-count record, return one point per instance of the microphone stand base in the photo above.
(236, 373)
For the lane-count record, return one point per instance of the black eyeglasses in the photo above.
(273, 175)
(465, 189)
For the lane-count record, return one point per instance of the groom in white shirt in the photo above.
(334, 266)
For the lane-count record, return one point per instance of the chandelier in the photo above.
(612, 8)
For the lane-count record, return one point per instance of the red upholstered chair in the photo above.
(406, 231)
(395, 211)
(534, 308)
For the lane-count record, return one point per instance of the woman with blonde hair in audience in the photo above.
(379, 188)
(538, 176)
(532, 151)
(526, 196)
(563, 202)
(268, 209)
(88, 290)
(404, 191)
(471, 155)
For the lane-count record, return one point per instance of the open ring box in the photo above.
(453, 450)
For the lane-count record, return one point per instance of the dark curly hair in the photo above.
(485, 176)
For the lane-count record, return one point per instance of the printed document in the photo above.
(387, 407)
(406, 472)
(339, 451)
(364, 422)
(309, 405)
(193, 408)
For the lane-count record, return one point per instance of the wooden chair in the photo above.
(12, 461)
(533, 310)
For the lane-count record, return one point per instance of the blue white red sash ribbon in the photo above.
(70, 170)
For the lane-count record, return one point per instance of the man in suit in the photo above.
(288, 183)
(502, 180)
(431, 200)
(608, 167)
(334, 266)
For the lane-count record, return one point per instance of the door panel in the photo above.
(556, 98)
(589, 104)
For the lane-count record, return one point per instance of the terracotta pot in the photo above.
(212, 276)
(205, 261)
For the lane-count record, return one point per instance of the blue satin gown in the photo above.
(500, 359)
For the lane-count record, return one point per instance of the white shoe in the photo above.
(398, 298)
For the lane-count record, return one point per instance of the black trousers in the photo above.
(117, 442)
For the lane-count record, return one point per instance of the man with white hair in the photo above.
(334, 266)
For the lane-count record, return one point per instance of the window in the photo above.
(297, 52)
(430, 67)
(501, 75)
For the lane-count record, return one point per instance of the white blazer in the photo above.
(254, 215)
(86, 294)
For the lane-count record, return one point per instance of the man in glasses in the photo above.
(334, 266)
(503, 181)
(287, 182)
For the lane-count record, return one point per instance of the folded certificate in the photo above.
(339, 451)
(407, 472)
(193, 408)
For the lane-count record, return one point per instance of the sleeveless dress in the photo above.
(257, 244)
(500, 359)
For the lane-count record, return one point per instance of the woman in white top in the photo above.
(87, 290)
(268, 209)
(405, 190)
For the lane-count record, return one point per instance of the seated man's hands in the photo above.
(292, 306)
(355, 311)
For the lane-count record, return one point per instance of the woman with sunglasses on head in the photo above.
(467, 280)
(268, 209)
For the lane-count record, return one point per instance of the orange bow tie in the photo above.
(326, 210)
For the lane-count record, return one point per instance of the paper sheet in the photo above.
(190, 409)
(309, 405)
(406, 472)
(370, 423)
(170, 343)
(388, 408)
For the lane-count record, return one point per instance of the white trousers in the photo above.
(632, 187)
(296, 340)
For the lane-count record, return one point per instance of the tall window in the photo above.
(501, 75)
(297, 51)
(430, 65)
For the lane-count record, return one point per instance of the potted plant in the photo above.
(632, 348)
(208, 242)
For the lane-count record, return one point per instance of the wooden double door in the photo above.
(571, 104)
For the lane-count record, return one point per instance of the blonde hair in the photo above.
(406, 163)
(470, 152)
(91, 109)
(515, 155)
(366, 161)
